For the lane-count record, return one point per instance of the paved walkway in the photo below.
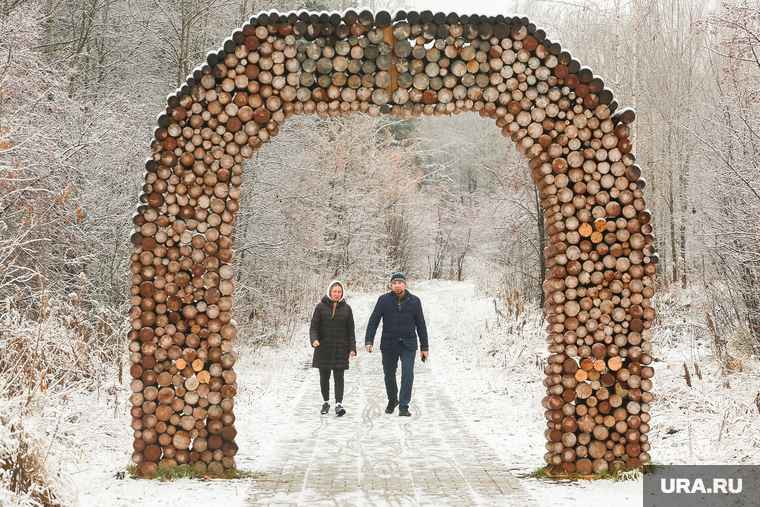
(370, 458)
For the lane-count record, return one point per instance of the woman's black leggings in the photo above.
(324, 383)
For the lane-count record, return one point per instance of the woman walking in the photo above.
(332, 336)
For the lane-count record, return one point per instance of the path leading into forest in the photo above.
(370, 458)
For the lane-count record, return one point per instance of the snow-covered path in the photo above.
(371, 458)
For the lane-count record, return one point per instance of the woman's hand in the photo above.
(352, 353)
(315, 343)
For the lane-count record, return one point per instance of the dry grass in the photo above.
(69, 349)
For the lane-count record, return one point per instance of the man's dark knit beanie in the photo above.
(398, 277)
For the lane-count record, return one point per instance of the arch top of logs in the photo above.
(599, 255)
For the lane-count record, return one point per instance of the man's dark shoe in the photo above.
(391, 407)
(325, 408)
(404, 411)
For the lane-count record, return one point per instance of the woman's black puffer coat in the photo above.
(335, 335)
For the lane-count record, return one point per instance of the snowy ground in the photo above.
(488, 362)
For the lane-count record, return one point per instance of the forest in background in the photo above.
(356, 198)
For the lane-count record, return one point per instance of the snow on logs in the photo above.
(599, 255)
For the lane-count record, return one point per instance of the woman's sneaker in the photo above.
(325, 408)
(339, 410)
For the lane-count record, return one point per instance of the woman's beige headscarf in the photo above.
(343, 296)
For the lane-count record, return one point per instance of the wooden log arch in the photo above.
(599, 255)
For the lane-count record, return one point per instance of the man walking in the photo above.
(401, 313)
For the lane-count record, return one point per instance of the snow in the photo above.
(488, 362)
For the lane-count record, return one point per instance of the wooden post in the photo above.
(388, 36)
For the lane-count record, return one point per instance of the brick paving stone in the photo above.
(369, 458)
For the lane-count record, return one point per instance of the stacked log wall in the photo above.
(599, 256)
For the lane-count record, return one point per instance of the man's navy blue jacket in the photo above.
(400, 318)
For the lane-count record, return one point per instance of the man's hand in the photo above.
(315, 343)
(368, 347)
(424, 355)
(352, 353)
